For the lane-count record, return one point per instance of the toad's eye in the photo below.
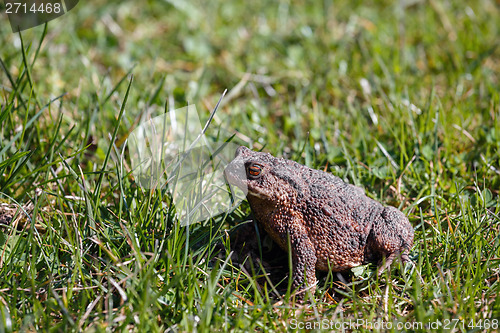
(254, 170)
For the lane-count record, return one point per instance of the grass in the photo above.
(399, 98)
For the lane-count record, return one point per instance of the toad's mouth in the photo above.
(256, 193)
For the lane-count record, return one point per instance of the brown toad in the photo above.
(331, 224)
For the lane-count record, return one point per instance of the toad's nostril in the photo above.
(240, 150)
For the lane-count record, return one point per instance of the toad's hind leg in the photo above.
(391, 237)
(386, 262)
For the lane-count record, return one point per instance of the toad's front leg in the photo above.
(303, 260)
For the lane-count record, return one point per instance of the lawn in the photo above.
(399, 98)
